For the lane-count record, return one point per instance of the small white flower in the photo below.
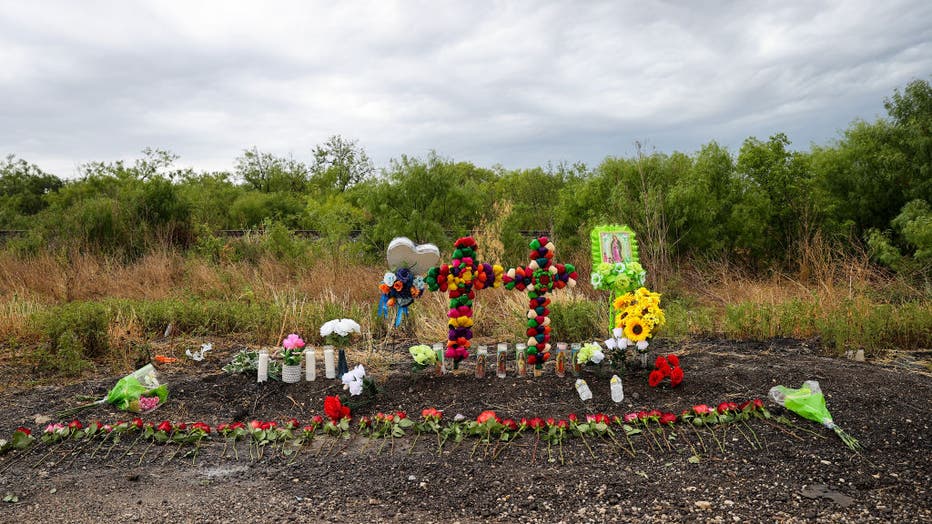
(597, 357)
(353, 380)
(611, 344)
(642, 345)
(623, 343)
(459, 417)
(389, 279)
(419, 283)
(618, 332)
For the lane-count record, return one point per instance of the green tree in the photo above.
(268, 173)
(340, 164)
(23, 190)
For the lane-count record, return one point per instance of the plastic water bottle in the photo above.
(618, 393)
(583, 389)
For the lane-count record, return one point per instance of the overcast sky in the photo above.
(511, 83)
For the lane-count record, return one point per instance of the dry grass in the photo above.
(49, 279)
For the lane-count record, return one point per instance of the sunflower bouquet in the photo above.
(638, 316)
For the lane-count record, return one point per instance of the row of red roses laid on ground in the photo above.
(659, 430)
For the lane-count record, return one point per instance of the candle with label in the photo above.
(521, 359)
(574, 361)
(560, 363)
(501, 356)
(440, 367)
(481, 355)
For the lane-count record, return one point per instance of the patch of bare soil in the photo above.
(797, 476)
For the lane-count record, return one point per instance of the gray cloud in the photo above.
(515, 83)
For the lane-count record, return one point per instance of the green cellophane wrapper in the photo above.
(141, 383)
(809, 403)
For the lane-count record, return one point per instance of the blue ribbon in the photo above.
(400, 314)
(402, 311)
(383, 307)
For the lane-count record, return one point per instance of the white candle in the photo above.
(329, 366)
(310, 365)
(263, 365)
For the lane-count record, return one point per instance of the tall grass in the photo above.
(77, 307)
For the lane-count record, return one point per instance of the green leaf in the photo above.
(406, 423)
(693, 459)
(22, 440)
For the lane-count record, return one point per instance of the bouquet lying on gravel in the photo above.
(809, 402)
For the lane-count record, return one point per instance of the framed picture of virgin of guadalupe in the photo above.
(613, 244)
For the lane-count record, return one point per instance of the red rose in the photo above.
(24, 431)
(255, 424)
(642, 415)
(676, 376)
(137, 422)
(723, 407)
(292, 423)
(655, 378)
(401, 415)
(510, 424)
(237, 425)
(335, 409)
(660, 362)
(655, 413)
(702, 409)
(572, 417)
(486, 416)
(75, 424)
(561, 424)
(630, 417)
(673, 360)
(758, 403)
(665, 370)
(201, 427)
(551, 421)
(667, 418)
(182, 426)
(165, 426)
(536, 423)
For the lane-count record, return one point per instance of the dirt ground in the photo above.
(798, 476)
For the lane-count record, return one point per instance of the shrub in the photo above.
(78, 324)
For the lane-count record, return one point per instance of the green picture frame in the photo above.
(613, 243)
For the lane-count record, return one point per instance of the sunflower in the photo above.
(636, 330)
(623, 301)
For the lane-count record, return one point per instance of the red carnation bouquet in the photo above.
(666, 368)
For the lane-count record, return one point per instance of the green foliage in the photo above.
(267, 173)
(23, 187)
(578, 320)
(339, 164)
(435, 201)
(75, 332)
